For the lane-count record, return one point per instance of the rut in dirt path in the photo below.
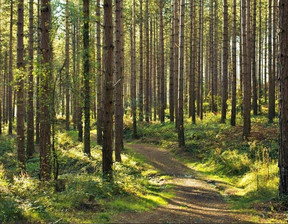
(195, 200)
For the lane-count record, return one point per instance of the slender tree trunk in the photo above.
(10, 97)
(260, 59)
(67, 81)
(253, 60)
(176, 59)
(107, 161)
(147, 87)
(161, 61)
(133, 70)
(181, 139)
(271, 107)
(247, 68)
(119, 66)
(20, 87)
(283, 100)
(215, 57)
(86, 72)
(141, 92)
(37, 120)
(45, 92)
(192, 63)
(30, 109)
(234, 66)
(225, 64)
(171, 71)
(200, 58)
(99, 78)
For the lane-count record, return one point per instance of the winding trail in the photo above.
(195, 200)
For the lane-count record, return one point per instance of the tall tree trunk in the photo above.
(10, 93)
(260, 59)
(192, 111)
(147, 86)
(133, 71)
(107, 161)
(253, 61)
(99, 78)
(247, 68)
(171, 71)
(225, 64)
(161, 61)
(181, 139)
(283, 100)
(215, 57)
(176, 59)
(234, 66)
(67, 66)
(45, 92)
(271, 107)
(30, 110)
(200, 59)
(20, 87)
(37, 120)
(141, 92)
(86, 72)
(119, 66)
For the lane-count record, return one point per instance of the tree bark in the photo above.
(181, 139)
(30, 109)
(161, 61)
(45, 92)
(225, 64)
(171, 70)
(107, 161)
(67, 66)
(141, 92)
(86, 72)
(147, 81)
(10, 81)
(119, 68)
(283, 100)
(99, 78)
(234, 66)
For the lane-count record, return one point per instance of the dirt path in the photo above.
(195, 200)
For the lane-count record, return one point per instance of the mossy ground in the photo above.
(245, 171)
(87, 198)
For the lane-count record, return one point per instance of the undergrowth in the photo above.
(246, 172)
(84, 197)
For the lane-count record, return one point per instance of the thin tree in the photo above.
(234, 66)
(271, 105)
(133, 71)
(86, 72)
(99, 77)
(20, 87)
(30, 109)
(161, 65)
(253, 60)
(181, 139)
(246, 67)
(171, 70)
(141, 93)
(225, 64)
(192, 63)
(283, 99)
(67, 65)
(45, 92)
(10, 80)
(119, 68)
(176, 59)
(147, 81)
(107, 161)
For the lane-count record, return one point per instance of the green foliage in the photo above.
(84, 197)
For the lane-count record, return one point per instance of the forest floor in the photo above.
(196, 199)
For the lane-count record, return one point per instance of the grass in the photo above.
(87, 198)
(245, 172)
